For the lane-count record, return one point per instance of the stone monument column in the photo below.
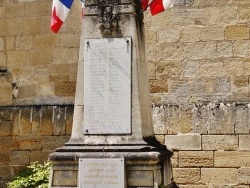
(112, 125)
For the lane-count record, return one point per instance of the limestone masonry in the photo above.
(199, 65)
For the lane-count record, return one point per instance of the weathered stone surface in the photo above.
(227, 186)
(64, 55)
(1, 43)
(58, 119)
(231, 159)
(5, 113)
(244, 142)
(6, 92)
(29, 90)
(193, 186)
(24, 43)
(25, 122)
(173, 120)
(19, 157)
(172, 51)
(175, 159)
(237, 32)
(212, 67)
(5, 157)
(186, 116)
(68, 178)
(151, 70)
(244, 175)
(8, 143)
(166, 35)
(2, 59)
(195, 158)
(225, 49)
(183, 142)
(40, 156)
(5, 175)
(180, 87)
(140, 178)
(158, 86)
(241, 122)
(222, 14)
(160, 118)
(53, 142)
(211, 33)
(38, 60)
(47, 120)
(44, 41)
(200, 50)
(244, 14)
(13, 26)
(5, 127)
(187, 175)
(190, 34)
(37, 9)
(69, 120)
(30, 143)
(191, 68)
(65, 88)
(219, 142)
(32, 25)
(219, 175)
(168, 69)
(240, 48)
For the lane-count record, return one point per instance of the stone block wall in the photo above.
(199, 64)
(211, 143)
(198, 55)
(30, 133)
(36, 65)
(199, 51)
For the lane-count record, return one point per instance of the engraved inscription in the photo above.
(107, 86)
(101, 173)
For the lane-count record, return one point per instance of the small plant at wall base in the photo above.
(35, 176)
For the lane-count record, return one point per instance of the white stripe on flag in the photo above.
(61, 10)
(167, 4)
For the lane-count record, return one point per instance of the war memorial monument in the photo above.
(112, 143)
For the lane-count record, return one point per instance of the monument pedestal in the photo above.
(144, 166)
(112, 113)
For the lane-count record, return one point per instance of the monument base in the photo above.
(145, 166)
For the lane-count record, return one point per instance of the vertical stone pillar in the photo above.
(112, 114)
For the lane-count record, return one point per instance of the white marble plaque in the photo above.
(107, 86)
(101, 173)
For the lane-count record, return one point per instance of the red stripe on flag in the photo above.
(56, 22)
(156, 7)
(144, 4)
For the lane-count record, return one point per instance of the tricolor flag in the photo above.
(157, 6)
(60, 11)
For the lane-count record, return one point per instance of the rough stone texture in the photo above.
(219, 142)
(187, 175)
(30, 134)
(244, 142)
(231, 159)
(183, 142)
(219, 175)
(195, 159)
(237, 32)
(244, 175)
(19, 157)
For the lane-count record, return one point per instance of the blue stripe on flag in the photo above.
(67, 3)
